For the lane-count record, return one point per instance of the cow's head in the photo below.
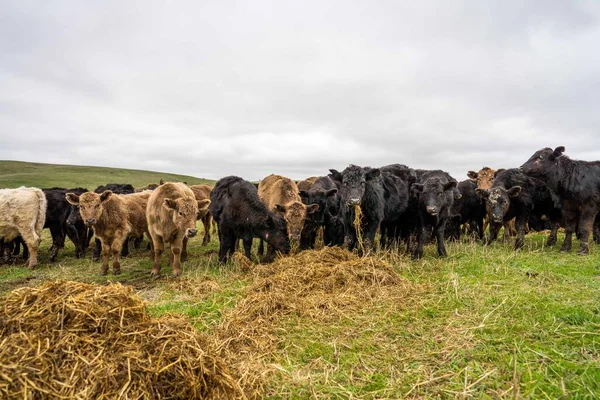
(90, 205)
(353, 182)
(184, 211)
(498, 201)
(432, 194)
(294, 213)
(319, 197)
(484, 177)
(540, 162)
(275, 233)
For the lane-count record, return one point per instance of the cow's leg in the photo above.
(206, 221)
(521, 225)
(116, 248)
(350, 238)
(58, 240)
(125, 247)
(97, 250)
(261, 247)
(554, 225)
(480, 228)
(248, 247)
(570, 218)
(105, 252)
(597, 229)
(226, 246)
(159, 247)
(184, 253)
(20, 241)
(586, 225)
(422, 237)
(74, 237)
(494, 229)
(176, 246)
(32, 240)
(369, 235)
(439, 232)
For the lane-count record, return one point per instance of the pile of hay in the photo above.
(316, 284)
(76, 340)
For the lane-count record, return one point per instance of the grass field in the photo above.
(16, 173)
(485, 322)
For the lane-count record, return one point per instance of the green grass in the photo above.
(488, 323)
(16, 173)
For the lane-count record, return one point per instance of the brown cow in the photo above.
(280, 194)
(114, 217)
(171, 213)
(23, 213)
(202, 192)
(484, 178)
(307, 183)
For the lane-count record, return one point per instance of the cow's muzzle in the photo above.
(191, 233)
(353, 202)
(433, 210)
(90, 221)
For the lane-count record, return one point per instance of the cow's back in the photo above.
(21, 209)
(277, 189)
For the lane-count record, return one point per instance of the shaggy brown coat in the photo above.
(114, 217)
(280, 194)
(307, 183)
(171, 213)
(23, 213)
(202, 192)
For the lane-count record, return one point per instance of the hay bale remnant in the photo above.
(77, 340)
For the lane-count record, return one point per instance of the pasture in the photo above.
(485, 322)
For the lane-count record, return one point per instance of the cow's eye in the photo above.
(180, 213)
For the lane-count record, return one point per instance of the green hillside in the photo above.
(17, 173)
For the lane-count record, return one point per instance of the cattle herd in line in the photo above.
(403, 204)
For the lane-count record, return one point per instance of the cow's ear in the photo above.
(303, 194)
(450, 185)
(372, 174)
(335, 175)
(483, 193)
(514, 191)
(417, 187)
(557, 152)
(280, 208)
(311, 208)
(498, 171)
(203, 204)
(472, 175)
(105, 196)
(72, 198)
(161, 182)
(330, 192)
(170, 204)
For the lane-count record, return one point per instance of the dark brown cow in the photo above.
(114, 218)
(202, 192)
(171, 214)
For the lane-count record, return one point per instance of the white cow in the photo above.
(23, 213)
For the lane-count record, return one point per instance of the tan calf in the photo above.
(23, 213)
(280, 194)
(171, 214)
(114, 217)
(202, 192)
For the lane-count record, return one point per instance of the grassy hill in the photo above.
(17, 173)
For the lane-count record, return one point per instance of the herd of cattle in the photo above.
(400, 203)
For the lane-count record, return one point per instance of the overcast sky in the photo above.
(220, 88)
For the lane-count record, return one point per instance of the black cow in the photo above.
(516, 195)
(74, 218)
(323, 192)
(468, 210)
(397, 179)
(360, 187)
(57, 213)
(435, 191)
(577, 186)
(240, 214)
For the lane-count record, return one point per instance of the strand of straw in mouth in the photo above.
(358, 228)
